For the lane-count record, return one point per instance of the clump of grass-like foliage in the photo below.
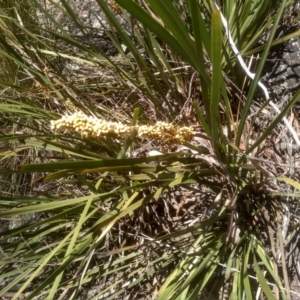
(149, 194)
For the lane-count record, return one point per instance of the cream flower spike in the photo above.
(88, 126)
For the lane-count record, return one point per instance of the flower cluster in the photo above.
(114, 6)
(70, 106)
(168, 134)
